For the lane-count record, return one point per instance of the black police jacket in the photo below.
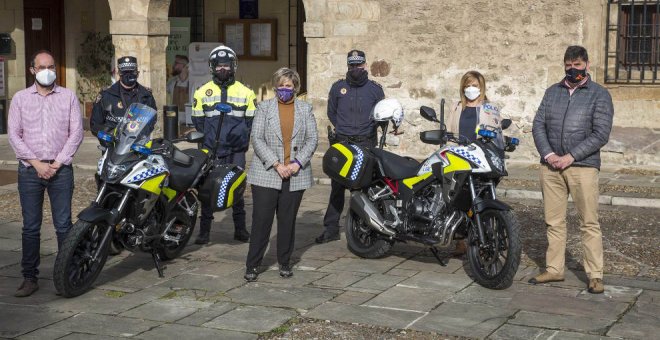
(110, 107)
(349, 108)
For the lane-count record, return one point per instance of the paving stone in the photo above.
(470, 320)
(397, 319)
(613, 293)
(402, 272)
(424, 263)
(640, 322)
(439, 281)
(299, 278)
(174, 331)
(339, 279)
(44, 334)
(514, 332)
(632, 282)
(11, 230)
(45, 294)
(310, 264)
(209, 283)
(360, 265)
(503, 297)
(407, 298)
(9, 244)
(252, 319)
(563, 322)
(207, 314)
(104, 325)
(8, 258)
(330, 251)
(649, 297)
(378, 281)
(100, 301)
(83, 336)
(280, 296)
(167, 310)
(18, 319)
(567, 305)
(353, 298)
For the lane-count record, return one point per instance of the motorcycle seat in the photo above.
(395, 166)
(181, 177)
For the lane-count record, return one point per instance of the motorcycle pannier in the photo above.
(350, 164)
(223, 187)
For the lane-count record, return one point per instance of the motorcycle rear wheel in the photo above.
(169, 249)
(495, 263)
(362, 240)
(74, 270)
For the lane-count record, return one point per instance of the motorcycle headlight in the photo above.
(113, 171)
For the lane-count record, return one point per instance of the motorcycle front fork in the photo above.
(477, 217)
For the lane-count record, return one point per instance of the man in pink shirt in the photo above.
(45, 130)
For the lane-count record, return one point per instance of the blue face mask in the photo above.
(284, 94)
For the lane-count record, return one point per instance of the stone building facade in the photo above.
(417, 50)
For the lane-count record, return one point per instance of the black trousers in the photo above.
(337, 198)
(266, 202)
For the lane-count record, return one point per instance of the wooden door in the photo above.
(44, 30)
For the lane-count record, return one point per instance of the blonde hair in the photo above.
(289, 74)
(470, 76)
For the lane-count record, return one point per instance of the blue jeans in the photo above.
(238, 209)
(31, 190)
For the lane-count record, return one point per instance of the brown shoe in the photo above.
(596, 286)
(546, 277)
(27, 288)
(460, 249)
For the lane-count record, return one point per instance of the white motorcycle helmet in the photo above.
(223, 54)
(388, 109)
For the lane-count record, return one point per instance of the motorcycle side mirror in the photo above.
(194, 137)
(428, 113)
(506, 123)
(223, 107)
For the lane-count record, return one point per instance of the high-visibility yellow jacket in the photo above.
(235, 133)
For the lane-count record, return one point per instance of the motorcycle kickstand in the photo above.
(159, 268)
(443, 262)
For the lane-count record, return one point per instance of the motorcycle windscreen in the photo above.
(135, 128)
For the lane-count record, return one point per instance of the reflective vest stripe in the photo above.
(237, 100)
(233, 113)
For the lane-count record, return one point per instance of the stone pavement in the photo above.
(203, 294)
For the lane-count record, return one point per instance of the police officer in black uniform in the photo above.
(350, 103)
(111, 103)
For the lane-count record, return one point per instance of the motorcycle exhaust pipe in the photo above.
(363, 207)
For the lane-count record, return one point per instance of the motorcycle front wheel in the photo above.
(75, 270)
(495, 262)
(362, 240)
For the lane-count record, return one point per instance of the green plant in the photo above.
(94, 65)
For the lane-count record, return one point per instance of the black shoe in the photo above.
(251, 274)
(27, 288)
(325, 238)
(241, 235)
(202, 239)
(286, 271)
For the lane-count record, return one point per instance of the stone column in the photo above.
(140, 28)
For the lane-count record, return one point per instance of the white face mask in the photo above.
(472, 92)
(46, 77)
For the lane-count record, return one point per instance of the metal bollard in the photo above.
(170, 122)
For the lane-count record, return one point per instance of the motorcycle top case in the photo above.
(350, 164)
(224, 185)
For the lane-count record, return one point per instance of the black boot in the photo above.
(241, 234)
(203, 236)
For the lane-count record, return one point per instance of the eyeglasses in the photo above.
(41, 68)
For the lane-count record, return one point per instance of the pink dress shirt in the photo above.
(45, 127)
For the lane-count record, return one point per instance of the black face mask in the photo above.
(128, 79)
(223, 77)
(575, 76)
(357, 76)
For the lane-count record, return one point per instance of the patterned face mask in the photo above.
(284, 94)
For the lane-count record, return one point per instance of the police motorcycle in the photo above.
(148, 199)
(450, 195)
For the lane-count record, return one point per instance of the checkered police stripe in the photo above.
(147, 173)
(466, 154)
(358, 162)
(223, 189)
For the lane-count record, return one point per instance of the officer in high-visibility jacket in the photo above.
(235, 132)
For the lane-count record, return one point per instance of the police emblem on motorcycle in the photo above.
(133, 126)
(343, 90)
(120, 105)
(209, 92)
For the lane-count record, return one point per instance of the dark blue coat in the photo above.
(349, 108)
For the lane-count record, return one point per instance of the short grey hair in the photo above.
(287, 73)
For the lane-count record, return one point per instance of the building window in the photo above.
(194, 9)
(633, 42)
